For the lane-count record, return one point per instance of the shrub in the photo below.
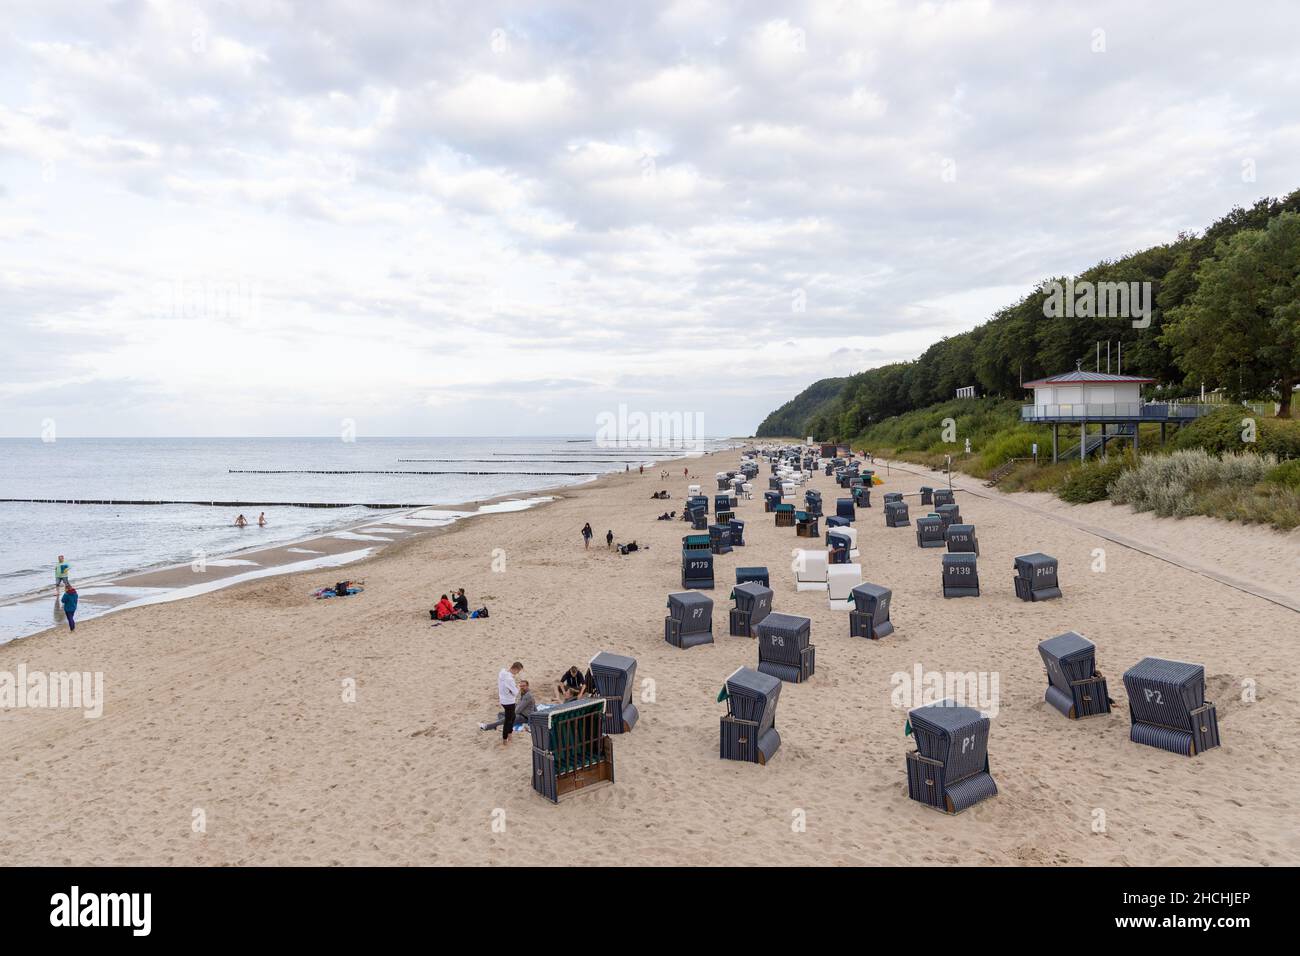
(1221, 433)
(1287, 474)
(1091, 481)
(1179, 484)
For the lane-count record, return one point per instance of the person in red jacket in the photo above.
(444, 611)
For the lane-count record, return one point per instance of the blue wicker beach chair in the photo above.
(720, 539)
(1167, 706)
(615, 677)
(1074, 687)
(839, 546)
(927, 495)
(753, 603)
(892, 496)
(949, 770)
(571, 751)
(961, 539)
(758, 574)
(929, 532)
(896, 514)
(943, 496)
(835, 521)
(784, 517)
(1036, 577)
(949, 514)
(861, 496)
(784, 650)
(697, 569)
(870, 615)
(737, 529)
(844, 509)
(748, 731)
(770, 500)
(960, 576)
(690, 619)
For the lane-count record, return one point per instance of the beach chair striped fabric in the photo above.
(949, 514)
(960, 576)
(615, 677)
(690, 619)
(844, 509)
(1036, 577)
(896, 514)
(892, 496)
(1074, 687)
(870, 615)
(961, 539)
(571, 751)
(861, 496)
(929, 532)
(927, 495)
(770, 500)
(949, 770)
(748, 731)
(784, 650)
(757, 574)
(753, 603)
(1167, 706)
(944, 496)
(698, 503)
(835, 521)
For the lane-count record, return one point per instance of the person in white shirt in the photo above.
(508, 694)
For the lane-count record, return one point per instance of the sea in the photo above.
(202, 484)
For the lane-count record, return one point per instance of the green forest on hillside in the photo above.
(1226, 312)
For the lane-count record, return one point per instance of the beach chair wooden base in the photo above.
(862, 624)
(556, 787)
(926, 784)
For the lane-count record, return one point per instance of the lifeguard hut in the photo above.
(1112, 402)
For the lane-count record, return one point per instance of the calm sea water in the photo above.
(105, 540)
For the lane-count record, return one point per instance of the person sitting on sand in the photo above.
(571, 684)
(526, 705)
(261, 520)
(461, 602)
(444, 610)
(241, 522)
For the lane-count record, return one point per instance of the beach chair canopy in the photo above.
(754, 599)
(690, 607)
(1068, 657)
(1037, 568)
(757, 574)
(753, 696)
(615, 674)
(872, 599)
(956, 736)
(789, 631)
(1163, 692)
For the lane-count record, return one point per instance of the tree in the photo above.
(1241, 327)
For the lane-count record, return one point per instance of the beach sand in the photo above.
(232, 705)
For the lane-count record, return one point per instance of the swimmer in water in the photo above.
(261, 520)
(241, 522)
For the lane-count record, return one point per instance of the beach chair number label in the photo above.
(1045, 570)
(778, 640)
(1155, 695)
(968, 743)
(697, 613)
(960, 569)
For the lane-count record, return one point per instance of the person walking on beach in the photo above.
(70, 606)
(609, 540)
(61, 569)
(586, 535)
(508, 695)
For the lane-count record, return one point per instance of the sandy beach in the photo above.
(230, 707)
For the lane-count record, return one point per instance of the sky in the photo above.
(255, 217)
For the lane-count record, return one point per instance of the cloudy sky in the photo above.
(262, 217)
